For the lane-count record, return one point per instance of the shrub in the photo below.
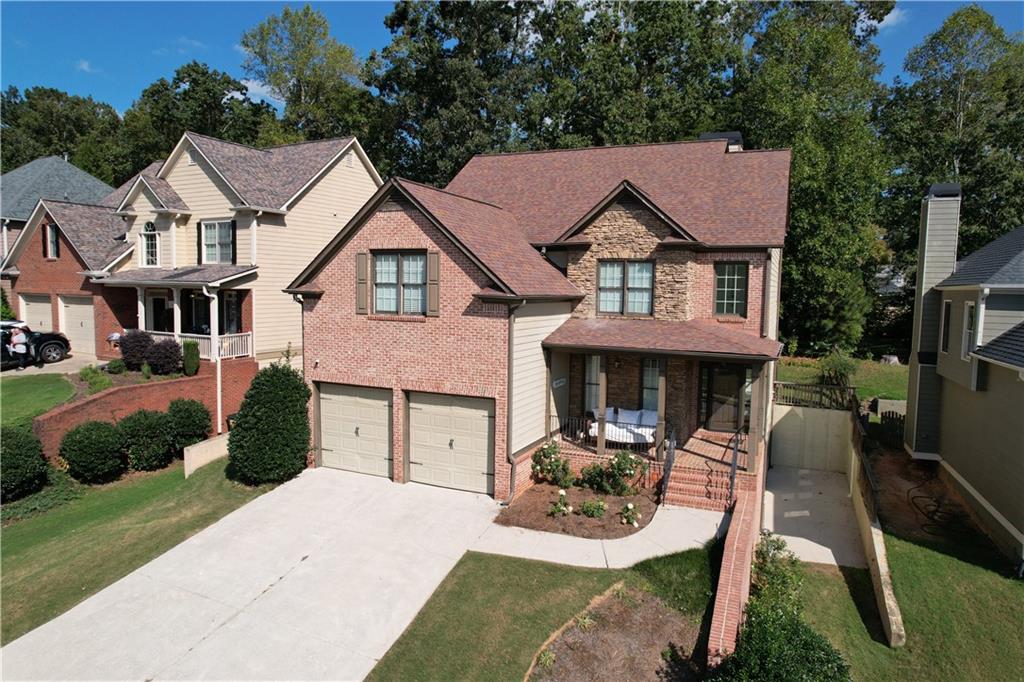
(270, 439)
(147, 373)
(164, 357)
(6, 312)
(561, 506)
(595, 509)
(148, 439)
(116, 366)
(23, 469)
(617, 476)
(547, 465)
(96, 379)
(630, 515)
(94, 452)
(190, 357)
(190, 422)
(135, 345)
(836, 368)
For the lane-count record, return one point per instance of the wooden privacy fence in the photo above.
(815, 395)
(891, 431)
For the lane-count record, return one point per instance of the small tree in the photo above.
(6, 312)
(190, 359)
(270, 439)
(836, 368)
(135, 345)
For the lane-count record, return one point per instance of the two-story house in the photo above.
(613, 297)
(197, 246)
(965, 404)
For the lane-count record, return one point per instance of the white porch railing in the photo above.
(230, 345)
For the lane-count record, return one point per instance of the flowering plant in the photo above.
(561, 507)
(631, 515)
(548, 465)
(617, 477)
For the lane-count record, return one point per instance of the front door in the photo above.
(157, 321)
(723, 396)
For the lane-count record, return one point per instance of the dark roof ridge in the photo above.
(449, 193)
(606, 146)
(217, 139)
(74, 203)
(296, 144)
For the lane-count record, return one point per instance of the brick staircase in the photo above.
(699, 488)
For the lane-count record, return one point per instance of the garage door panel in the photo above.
(355, 427)
(37, 312)
(452, 441)
(79, 324)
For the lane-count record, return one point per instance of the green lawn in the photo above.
(963, 619)
(872, 379)
(54, 560)
(25, 397)
(492, 613)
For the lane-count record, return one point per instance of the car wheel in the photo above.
(52, 352)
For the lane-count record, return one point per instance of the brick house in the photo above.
(610, 298)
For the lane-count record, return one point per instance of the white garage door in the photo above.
(355, 428)
(451, 441)
(36, 312)
(79, 325)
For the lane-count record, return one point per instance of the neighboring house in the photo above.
(612, 297)
(198, 246)
(966, 392)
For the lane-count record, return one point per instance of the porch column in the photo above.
(176, 294)
(602, 399)
(659, 434)
(755, 436)
(141, 291)
(548, 393)
(215, 351)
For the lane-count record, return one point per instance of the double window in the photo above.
(150, 246)
(625, 287)
(400, 283)
(218, 242)
(731, 289)
(969, 323)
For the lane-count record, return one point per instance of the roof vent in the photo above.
(733, 137)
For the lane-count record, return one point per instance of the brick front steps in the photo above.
(702, 487)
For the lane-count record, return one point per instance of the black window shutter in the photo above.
(56, 242)
(361, 283)
(433, 284)
(46, 236)
(199, 243)
(234, 242)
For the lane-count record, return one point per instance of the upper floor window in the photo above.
(731, 289)
(625, 287)
(969, 322)
(218, 242)
(400, 283)
(947, 312)
(150, 245)
(52, 242)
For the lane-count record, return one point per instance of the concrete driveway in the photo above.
(68, 365)
(314, 580)
(813, 513)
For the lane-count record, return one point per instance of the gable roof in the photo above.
(115, 197)
(49, 176)
(160, 188)
(486, 233)
(1000, 262)
(722, 198)
(95, 232)
(1005, 349)
(270, 177)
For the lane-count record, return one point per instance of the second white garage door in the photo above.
(451, 441)
(355, 428)
(79, 325)
(36, 312)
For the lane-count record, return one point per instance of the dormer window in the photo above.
(150, 246)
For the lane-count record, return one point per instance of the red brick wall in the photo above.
(115, 403)
(464, 351)
(115, 310)
(702, 301)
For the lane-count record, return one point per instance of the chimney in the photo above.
(936, 260)
(734, 138)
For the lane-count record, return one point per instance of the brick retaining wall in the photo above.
(115, 403)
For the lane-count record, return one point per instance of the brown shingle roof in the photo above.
(94, 231)
(189, 274)
(165, 193)
(114, 199)
(492, 235)
(689, 337)
(722, 199)
(268, 177)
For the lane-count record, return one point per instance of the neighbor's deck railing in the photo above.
(815, 395)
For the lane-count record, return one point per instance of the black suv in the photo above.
(42, 346)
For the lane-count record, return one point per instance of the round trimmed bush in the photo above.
(116, 366)
(164, 357)
(23, 469)
(94, 452)
(270, 439)
(134, 347)
(190, 422)
(148, 439)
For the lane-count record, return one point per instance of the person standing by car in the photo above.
(19, 346)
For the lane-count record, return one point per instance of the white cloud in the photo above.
(180, 45)
(240, 50)
(260, 91)
(84, 66)
(897, 17)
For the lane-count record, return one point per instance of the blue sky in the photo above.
(113, 50)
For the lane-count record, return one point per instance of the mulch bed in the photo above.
(124, 379)
(630, 635)
(530, 510)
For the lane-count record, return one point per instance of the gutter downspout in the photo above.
(513, 306)
(6, 221)
(215, 351)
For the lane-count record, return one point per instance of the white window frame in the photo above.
(142, 249)
(967, 340)
(947, 310)
(52, 241)
(400, 285)
(728, 286)
(215, 224)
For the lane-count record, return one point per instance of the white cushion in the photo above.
(648, 417)
(628, 417)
